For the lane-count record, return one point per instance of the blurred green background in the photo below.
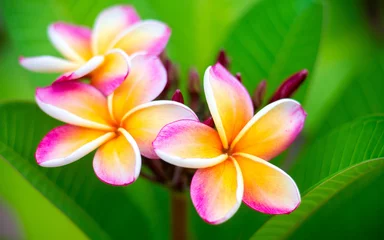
(341, 42)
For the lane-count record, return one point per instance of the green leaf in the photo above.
(282, 226)
(360, 140)
(98, 209)
(331, 164)
(274, 40)
(198, 27)
(27, 203)
(348, 48)
(362, 96)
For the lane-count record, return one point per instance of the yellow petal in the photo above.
(75, 103)
(109, 23)
(217, 191)
(118, 162)
(74, 42)
(148, 36)
(271, 130)
(66, 144)
(228, 101)
(112, 73)
(146, 80)
(267, 188)
(190, 144)
(145, 121)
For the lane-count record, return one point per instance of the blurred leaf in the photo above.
(347, 48)
(100, 210)
(14, 84)
(332, 163)
(198, 27)
(28, 203)
(274, 40)
(362, 96)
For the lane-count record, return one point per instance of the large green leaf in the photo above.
(331, 164)
(282, 226)
(362, 96)
(347, 51)
(360, 140)
(199, 27)
(101, 211)
(274, 40)
(27, 203)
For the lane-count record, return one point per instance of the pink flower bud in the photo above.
(178, 96)
(194, 89)
(209, 122)
(289, 86)
(258, 95)
(223, 59)
(193, 81)
(238, 76)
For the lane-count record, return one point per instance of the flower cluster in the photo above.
(115, 114)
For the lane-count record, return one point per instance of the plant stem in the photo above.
(156, 168)
(148, 177)
(178, 216)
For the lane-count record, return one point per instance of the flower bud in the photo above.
(193, 81)
(289, 86)
(238, 77)
(194, 90)
(223, 59)
(178, 96)
(209, 122)
(258, 95)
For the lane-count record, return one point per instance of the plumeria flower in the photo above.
(99, 53)
(121, 127)
(232, 162)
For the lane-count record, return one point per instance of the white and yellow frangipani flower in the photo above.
(122, 126)
(100, 54)
(232, 161)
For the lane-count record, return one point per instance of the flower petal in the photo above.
(228, 101)
(74, 42)
(271, 130)
(146, 80)
(217, 191)
(84, 70)
(66, 144)
(118, 162)
(75, 103)
(108, 76)
(47, 64)
(109, 24)
(148, 36)
(190, 144)
(145, 121)
(267, 188)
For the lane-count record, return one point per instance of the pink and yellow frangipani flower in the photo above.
(121, 126)
(232, 161)
(100, 54)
